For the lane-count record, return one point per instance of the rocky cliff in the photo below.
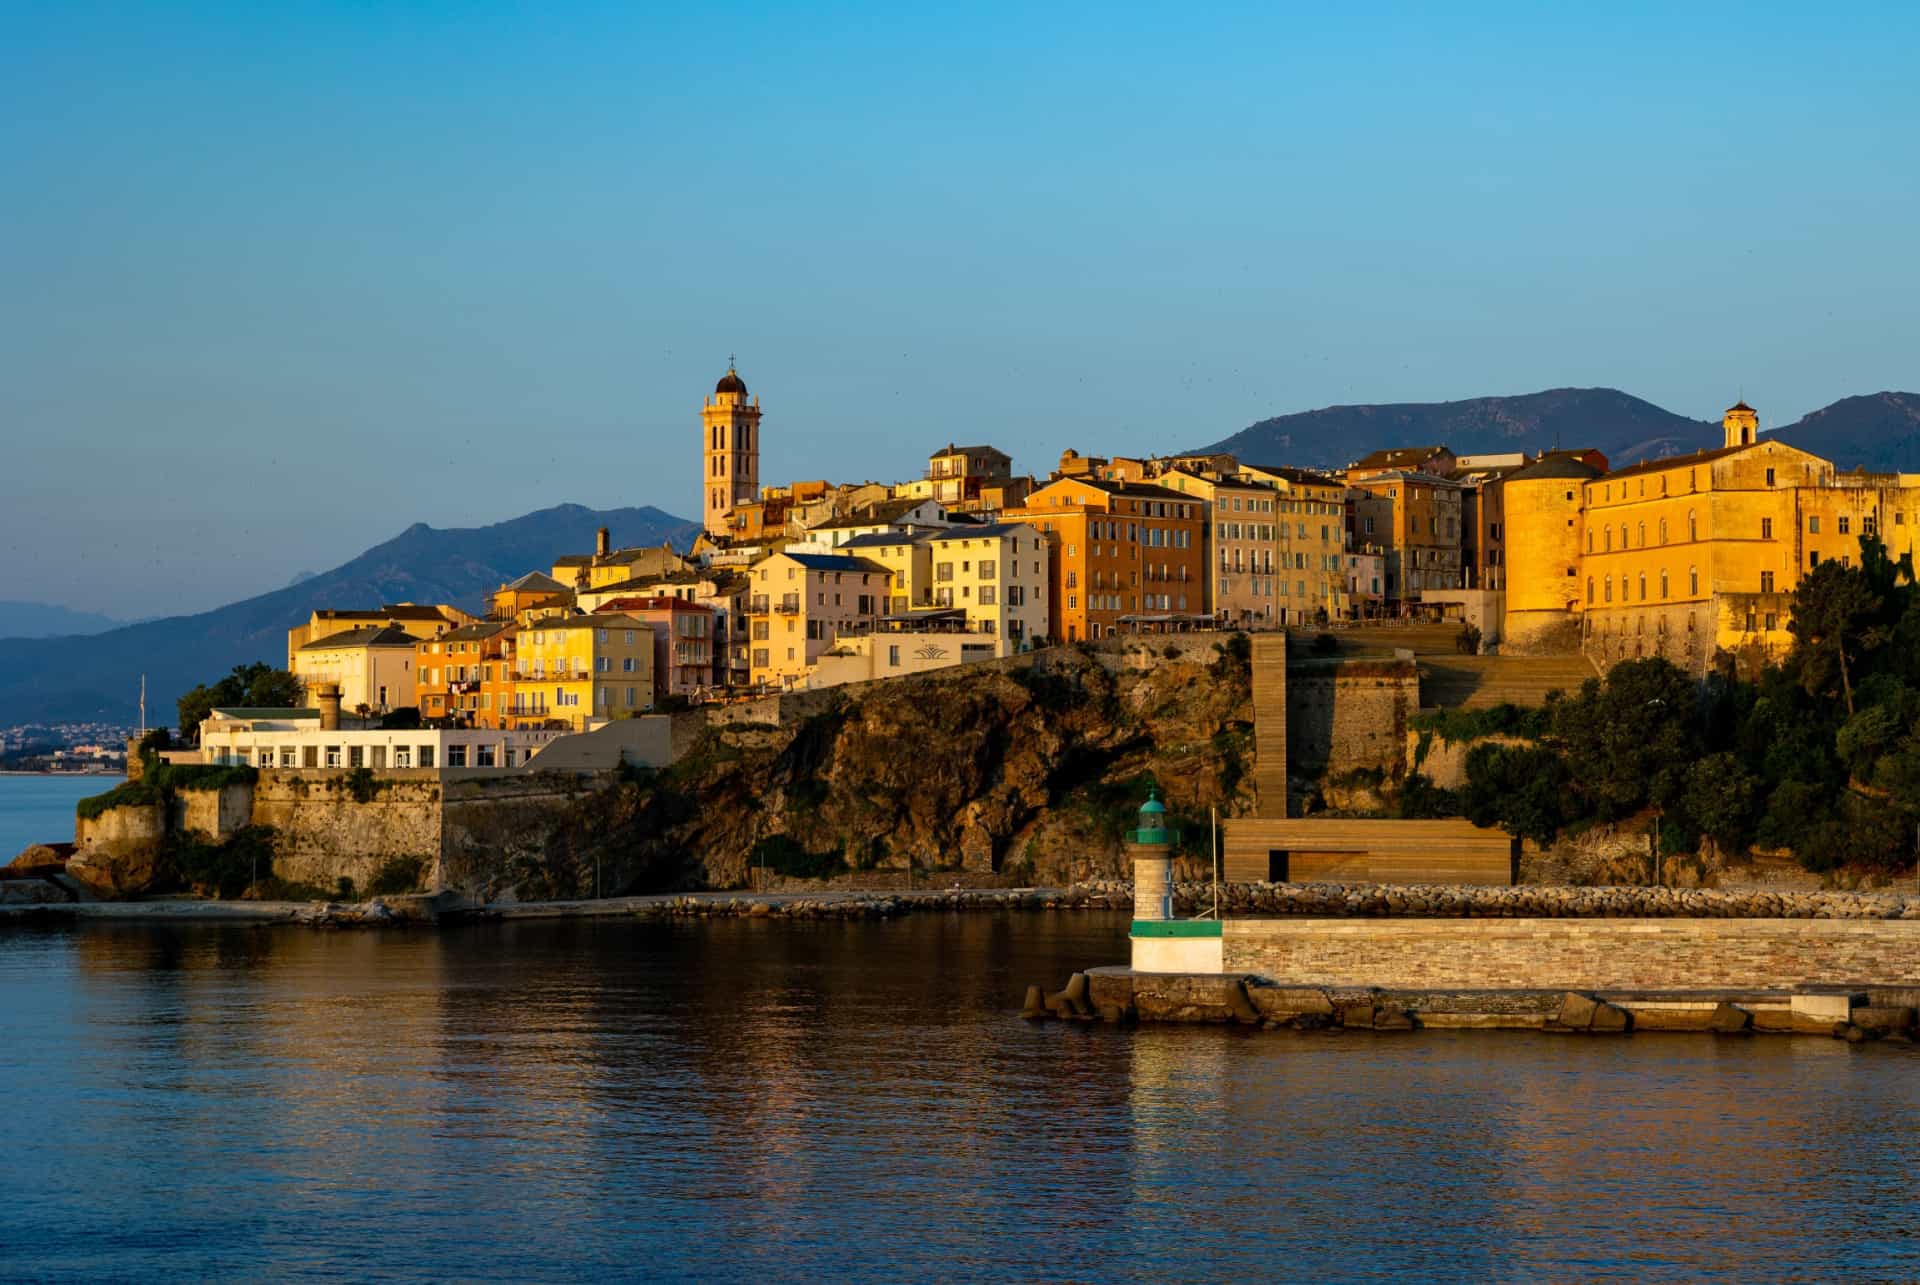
(1031, 768)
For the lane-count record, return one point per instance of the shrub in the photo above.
(785, 855)
(397, 875)
(1467, 642)
(361, 785)
(1518, 788)
(128, 794)
(224, 869)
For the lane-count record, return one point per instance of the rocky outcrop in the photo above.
(1032, 771)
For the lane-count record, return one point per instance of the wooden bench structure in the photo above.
(1338, 850)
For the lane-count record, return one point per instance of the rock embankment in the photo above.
(1444, 901)
(879, 905)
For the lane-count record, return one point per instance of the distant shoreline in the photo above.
(11, 771)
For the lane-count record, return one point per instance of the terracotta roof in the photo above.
(1561, 464)
(475, 632)
(1298, 476)
(990, 532)
(1678, 461)
(1400, 456)
(836, 562)
(535, 582)
(365, 636)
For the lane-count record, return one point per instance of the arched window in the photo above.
(1663, 582)
(1643, 586)
(1623, 536)
(1693, 582)
(1643, 535)
(1589, 542)
(1693, 526)
(1663, 530)
(1607, 588)
(1589, 591)
(1609, 534)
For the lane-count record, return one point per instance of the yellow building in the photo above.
(1692, 556)
(415, 619)
(1310, 540)
(581, 670)
(801, 603)
(1545, 515)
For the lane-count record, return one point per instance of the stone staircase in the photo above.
(1475, 682)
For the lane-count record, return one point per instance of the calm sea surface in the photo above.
(751, 1099)
(39, 809)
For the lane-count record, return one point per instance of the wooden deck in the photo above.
(1314, 850)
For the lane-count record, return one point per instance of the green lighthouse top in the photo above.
(1153, 824)
(1152, 807)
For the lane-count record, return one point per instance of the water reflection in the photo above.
(856, 1101)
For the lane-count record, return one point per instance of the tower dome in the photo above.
(731, 383)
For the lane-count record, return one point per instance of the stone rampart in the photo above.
(1344, 716)
(1577, 954)
(323, 834)
(215, 813)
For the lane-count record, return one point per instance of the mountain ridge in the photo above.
(1878, 431)
(97, 676)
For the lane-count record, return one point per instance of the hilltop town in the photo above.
(803, 585)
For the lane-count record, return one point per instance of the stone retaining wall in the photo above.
(1579, 954)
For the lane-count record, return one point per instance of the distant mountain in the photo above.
(46, 620)
(1880, 432)
(1622, 426)
(99, 676)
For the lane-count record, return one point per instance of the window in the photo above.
(1772, 620)
(485, 756)
(1589, 591)
(402, 756)
(456, 756)
(333, 756)
(1769, 477)
(1845, 526)
(1693, 526)
(1766, 581)
(1766, 528)
(1607, 588)
(1813, 524)
(1813, 558)
(426, 756)
(1663, 582)
(1643, 586)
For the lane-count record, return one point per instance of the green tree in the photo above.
(1629, 740)
(1834, 613)
(1520, 788)
(255, 686)
(1720, 800)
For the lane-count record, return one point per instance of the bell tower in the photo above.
(731, 451)
(1741, 423)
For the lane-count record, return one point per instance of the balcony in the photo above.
(788, 607)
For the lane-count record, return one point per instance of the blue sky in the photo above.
(283, 279)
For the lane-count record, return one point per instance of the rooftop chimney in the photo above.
(602, 544)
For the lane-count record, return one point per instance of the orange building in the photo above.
(466, 673)
(535, 589)
(1126, 556)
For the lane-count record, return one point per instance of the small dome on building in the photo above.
(1152, 807)
(731, 383)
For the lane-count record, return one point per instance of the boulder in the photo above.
(113, 876)
(1611, 1017)
(1392, 1019)
(1576, 1011)
(38, 860)
(32, 892)
(1357, 1016)
(1184, 997)
(1884, 1020)
(1110, 988)
(1730, 1019)
(1284, 1003)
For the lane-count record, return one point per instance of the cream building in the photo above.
(869, 657)
(373, 665)
(802, 603)
(997, 576)
(730, 454)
